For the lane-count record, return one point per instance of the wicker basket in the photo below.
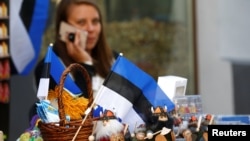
(69, 130)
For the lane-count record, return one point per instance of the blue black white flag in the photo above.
(43, 87)
(130, 93)
(56, 70)
(28, 19)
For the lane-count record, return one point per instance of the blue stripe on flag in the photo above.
(56, 71)
(36, 29)
(48, 55)
(142, 80)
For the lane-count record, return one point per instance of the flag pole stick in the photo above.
(211, 120)
(87, 113)
(199, 123)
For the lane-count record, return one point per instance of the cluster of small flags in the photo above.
(128, 90)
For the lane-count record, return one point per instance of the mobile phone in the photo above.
(67, 32)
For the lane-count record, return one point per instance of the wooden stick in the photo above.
(199, 124)
(87, 113)
(84, 119)
(211, 120)
(154, 133)
(125, 129)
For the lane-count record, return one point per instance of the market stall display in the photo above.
(67, 129)
(162, 119)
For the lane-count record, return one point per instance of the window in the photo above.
(156, 35)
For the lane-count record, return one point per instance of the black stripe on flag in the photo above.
(130, 92)
(26, 12)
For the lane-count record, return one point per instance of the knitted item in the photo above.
(74, 106)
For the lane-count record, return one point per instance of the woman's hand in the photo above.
(76, 49)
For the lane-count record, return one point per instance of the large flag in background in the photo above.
(130, 93)
(28, 19)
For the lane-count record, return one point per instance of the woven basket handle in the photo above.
(75, 66)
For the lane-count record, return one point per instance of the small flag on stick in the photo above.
(43, 87)
(130, 93)
(53, 67)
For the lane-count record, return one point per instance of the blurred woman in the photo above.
(95, 55)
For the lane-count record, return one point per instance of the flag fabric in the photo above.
(28, 19)
(56, 70)
(130, 93)
(43, 87)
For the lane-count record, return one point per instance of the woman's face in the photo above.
(86, 17)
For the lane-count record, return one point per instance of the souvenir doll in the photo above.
(194, 126)
(183, 131)
(177, 122)
(208, 120)
(139, 133)
(193, 123)
(179, 126)
(161, 121)
(108, 128)
(187, 135)
(33, 132)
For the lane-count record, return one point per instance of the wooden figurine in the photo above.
(208, 120)
(162, 124)
(139, 133)
(187, 135)
(194, 126)
(108, 128)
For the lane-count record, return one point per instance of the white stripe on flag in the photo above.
(110, 100)
(123, 109)
(132, 119)
(21, 48)
(43, 89)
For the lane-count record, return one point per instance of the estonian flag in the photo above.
(28, 19)
(43, 87)
(56, 70)
(130, 93)
(53, 67)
